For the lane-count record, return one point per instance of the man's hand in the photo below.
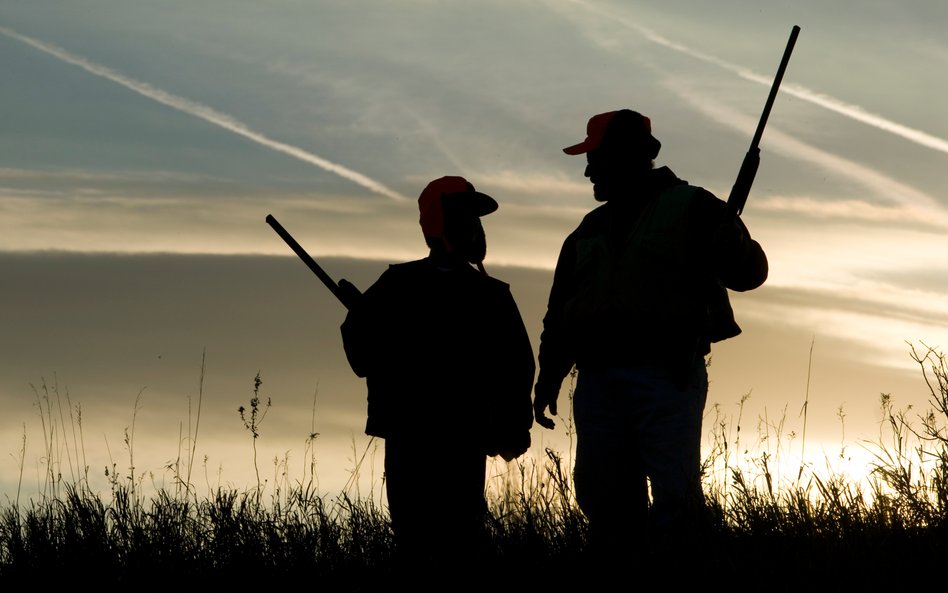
(545, 397)
(348, 293)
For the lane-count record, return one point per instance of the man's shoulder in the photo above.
(683, 195)
(496, 283)
(424, 268)
(408, 268)
(401, 273)
(705, 205)
(701, 202)
(699, 192)
(593, 220)
(667, 181)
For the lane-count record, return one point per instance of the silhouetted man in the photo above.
(449, 369)
(638, 297)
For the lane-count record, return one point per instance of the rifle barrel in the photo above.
(307, 259)
(745, 177)
(776, 86)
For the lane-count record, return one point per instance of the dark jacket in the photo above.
(445, 353)
(645, 279)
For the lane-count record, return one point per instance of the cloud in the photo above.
(859, 301)
(432, 134)
(101, 219)
(45, 183)
(205, 113)
(859, 114)
(106, 217)
(847, 210)
(843, 108)
(558, 184)
(875, 182)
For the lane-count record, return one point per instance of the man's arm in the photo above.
(516, 367)
(363, 325)
(744, 264)
(735, 258)
(556, 356)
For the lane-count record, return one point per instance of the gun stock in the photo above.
(344, 291)
(745, 177)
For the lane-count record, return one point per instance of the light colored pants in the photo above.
(634, 428)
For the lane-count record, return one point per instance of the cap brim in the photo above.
(477, 203)
(577, 148)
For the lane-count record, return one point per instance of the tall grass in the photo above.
(816, 529)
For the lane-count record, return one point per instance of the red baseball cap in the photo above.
(459, 191)
(624, 127)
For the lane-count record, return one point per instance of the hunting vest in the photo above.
(644, 295)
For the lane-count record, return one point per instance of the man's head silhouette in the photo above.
(623, 131)
(449, 213)
(619, 147)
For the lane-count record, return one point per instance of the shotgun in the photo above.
(345, 291)
(745, 177)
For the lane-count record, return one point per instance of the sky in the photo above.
(144, 144)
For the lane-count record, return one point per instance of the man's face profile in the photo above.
(615, 171)
(608, 173)
(464, 231)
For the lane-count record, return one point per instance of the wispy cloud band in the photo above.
(205, 113)
(843, 108)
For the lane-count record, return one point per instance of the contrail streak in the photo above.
(872, 180)
(848, 110)
(204, 112)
